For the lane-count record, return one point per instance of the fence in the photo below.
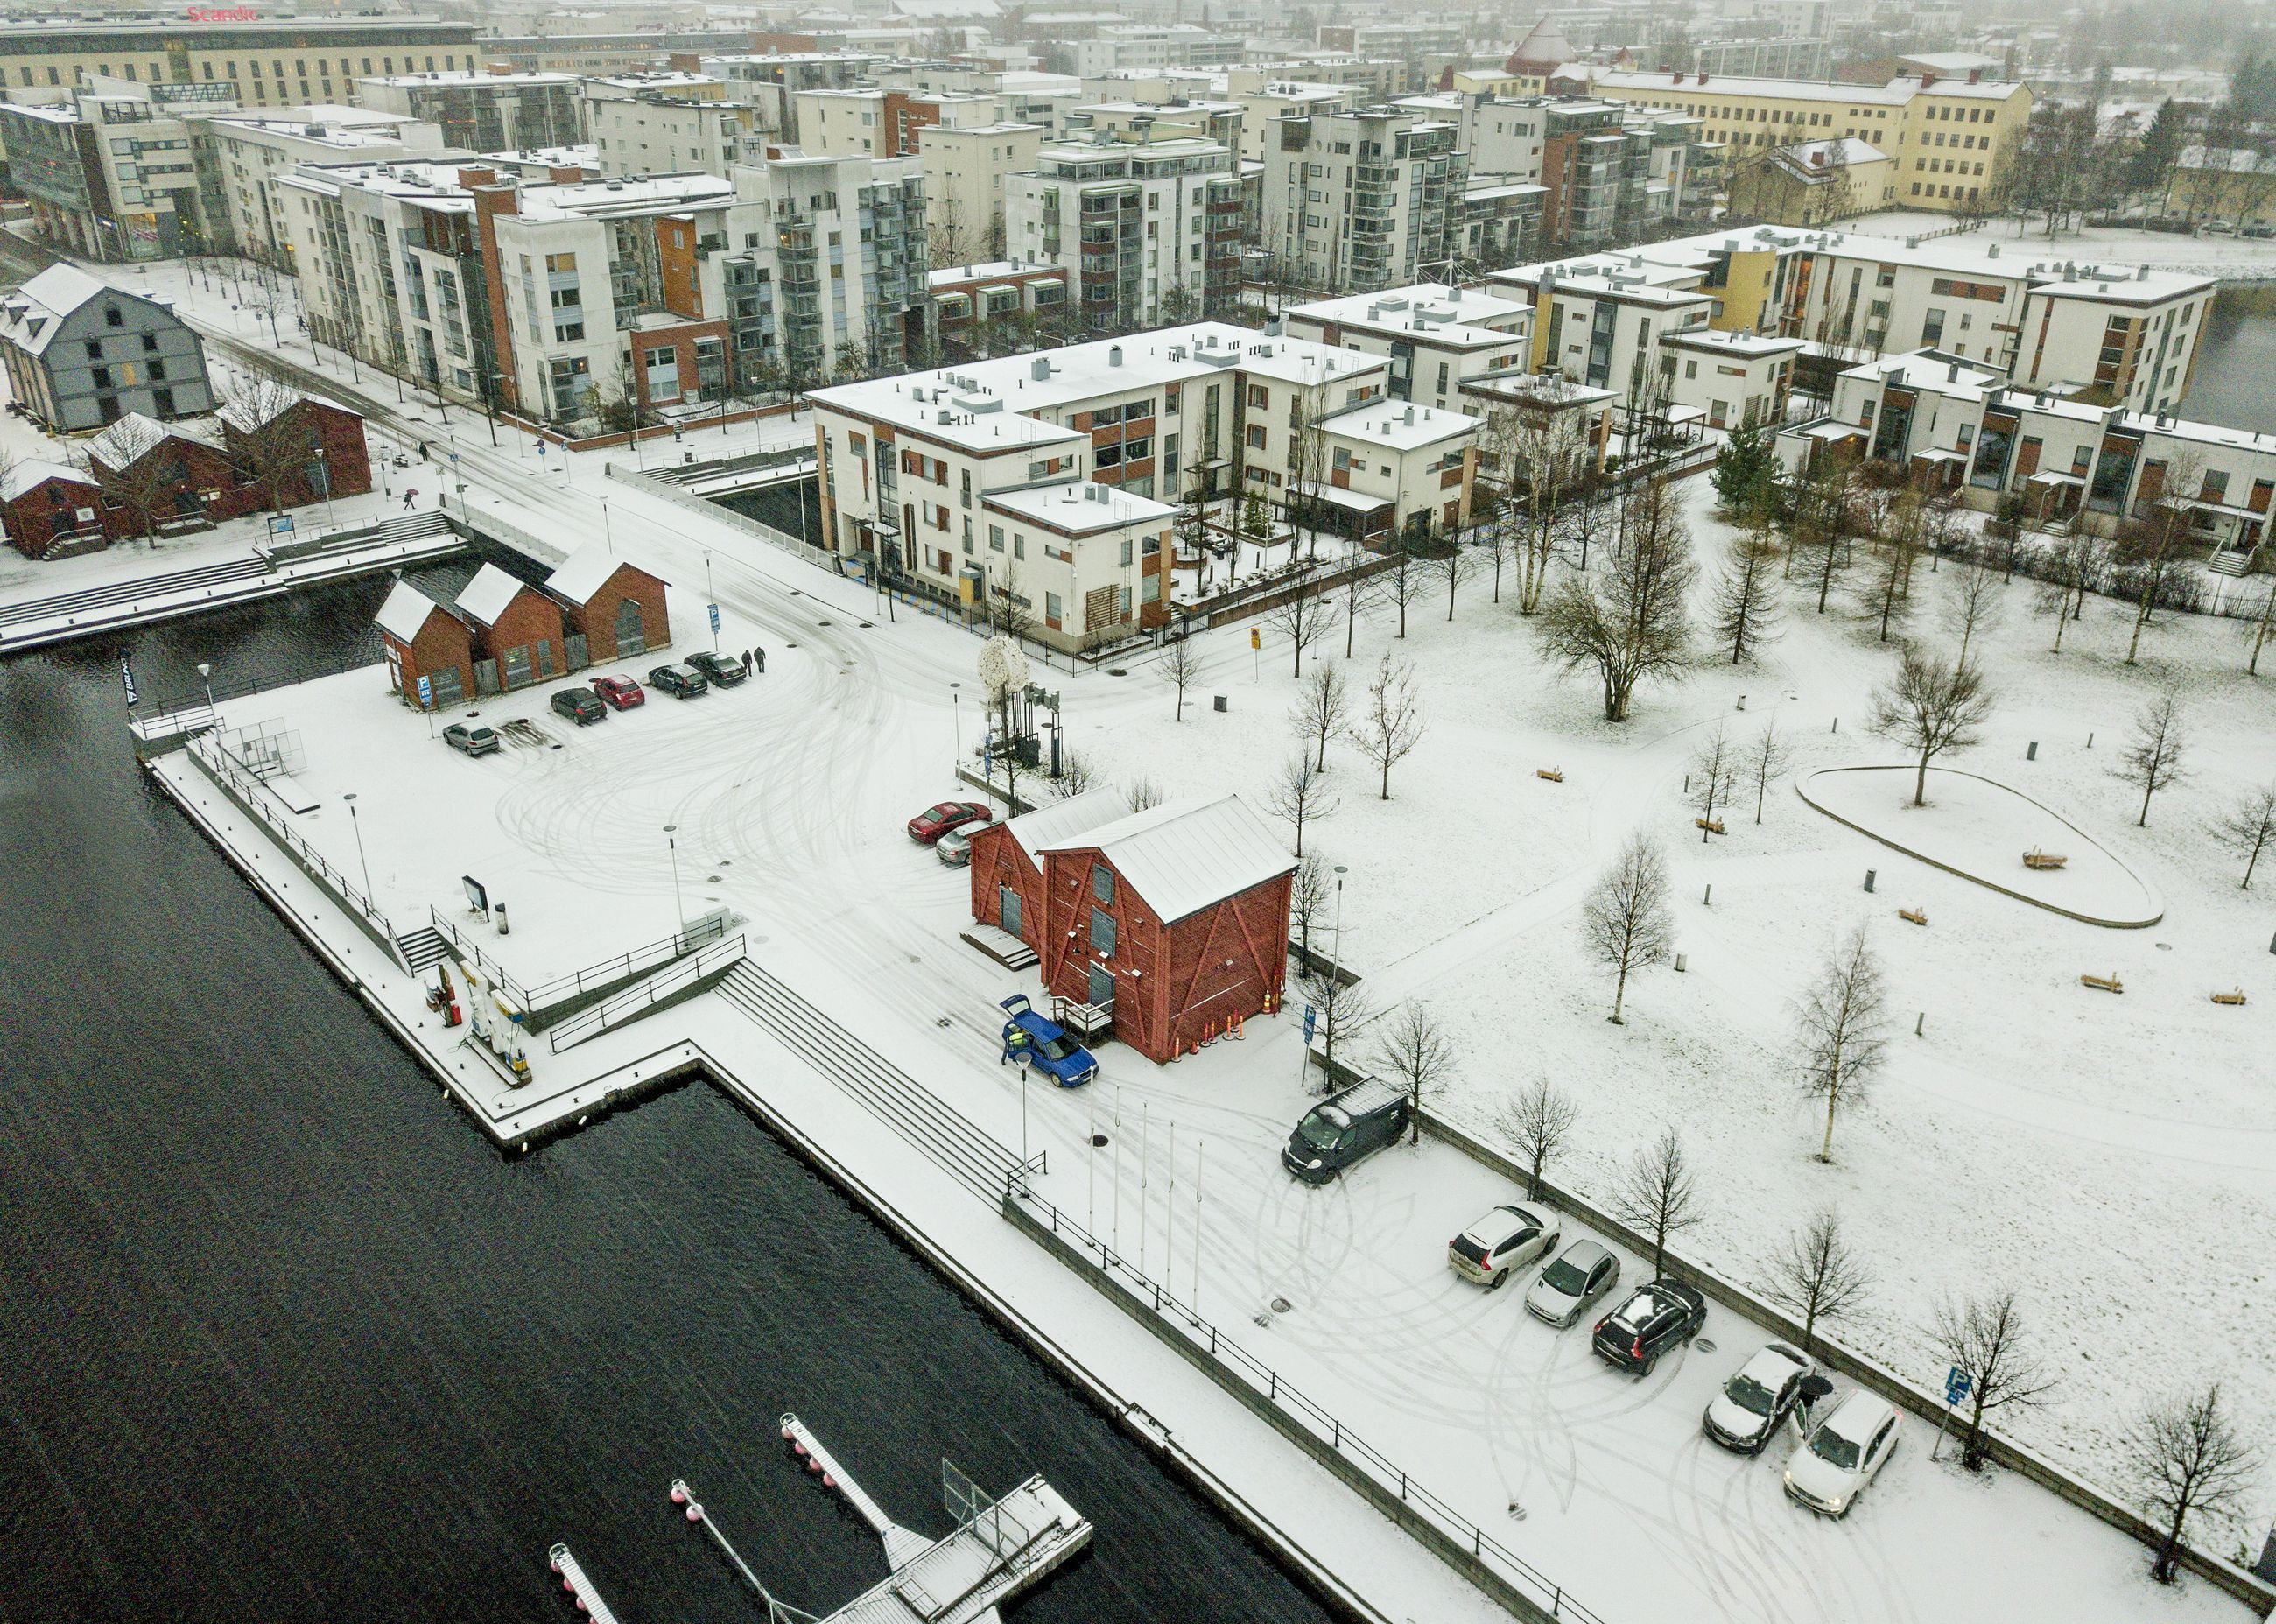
(1451, 1535)
(153, 716)
(655, 485)
(681, 980)
(254, 798)
(547, 999)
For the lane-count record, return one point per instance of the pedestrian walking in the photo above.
(760, 655)
(408, 496)
(746, 662)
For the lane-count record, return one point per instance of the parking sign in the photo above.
(1311, 1017)
(426, 694)
(715, 617)
(1957, 1383)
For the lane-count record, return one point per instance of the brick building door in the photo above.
(1007, 905)
(632, 635)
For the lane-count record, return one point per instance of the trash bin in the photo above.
(1220, 703)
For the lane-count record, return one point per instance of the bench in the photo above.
(2106, 983)
(1555, 775)
(2037, 859)
(1713, 826)
(1916, 915)
(2237, 997)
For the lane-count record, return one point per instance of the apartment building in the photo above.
(579, 300)
(1364, 200)
(1437, 336)
(1149, 230)
(485, 111)
(1050, 477)
(1022, 96)
(275, 62)
(80, 353)
(883, 123)
(1951, 140)
(109, 172)
(1153, 47)
(771, 82)
(582, 51)
(1813, 183)
(973, 304)
(1961, 425)
(966, 170)
(239, 154)
(651, 124)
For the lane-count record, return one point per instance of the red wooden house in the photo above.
(1177, 916)
(1007, 865)
(46, 507)
(617, 608)
(421, 637)
(517, 631)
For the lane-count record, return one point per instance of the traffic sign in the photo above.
(426, 694)
(1311, 1017)
(1256, 640)
(1957, 1383)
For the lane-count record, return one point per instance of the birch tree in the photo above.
(1928, 708)
(1391, 725)
(1972, 604)
(1178, 669)
(1303, 619)
(1841, 1028)
(2076, 567)
(1765, 759)
(1987, 1336)
(2248, 826)
(2187, 1457)
(1319, 713)
(1626, 919)
(1537, 1123)
(1301, 795)
(1817, 1275)
(1657, 1195)
(2154, 760)
(1411, 1045)
(1714, 774)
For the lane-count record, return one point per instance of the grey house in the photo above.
(81, 354)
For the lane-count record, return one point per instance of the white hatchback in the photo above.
(1507, 1238)
(1843, 1453)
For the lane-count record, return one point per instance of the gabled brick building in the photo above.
(421, 637)
(616, 609)
(1006, 866)
(517, 631)
(48, 508)
(1177, 915)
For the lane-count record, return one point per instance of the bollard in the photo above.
(1742, 701)
(1220, 699)
(1919, 1025)
(1868, 878)
(1686, 783)
(1681, 961)
(2032, 753)
(1837, 724)
(1709, 900)
(502, 931)
(2090, 741)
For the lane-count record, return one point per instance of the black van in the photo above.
(1344, 1127)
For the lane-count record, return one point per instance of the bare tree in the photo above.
(1011, 610)
(1340, 1009)
(1765, 759)
(1714, 774)
(129, 478)
(2248, 826)
(1885, 594)
(1816, 1275)
(1303, 619)
(1362, 595)
(1179, 668)
(1537, 1122)
(2154, 550)
(2161, 740)
(1626, 918)
(1548, 454)
(1309, 892)
(1657, 1195)
(1841, 1029)
(1454, 566)
(1745, 600)
(1318, 715)
(1930, 707)
(1973, 604)
(1823, 518)
(1308, 475)
(1393, 724)
(2260, 628)
(2074, 568)
(1412, 1046)
(1077, 773)
(1987, 1338)
(1402, 583)
(1496, 541)
(2187, 1455)
(1300, 795)
(1632, 622)
(276, 446)
(1143, 793)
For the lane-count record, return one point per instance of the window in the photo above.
(1051, 609)
(995, 538)
(113, 316)
(1260, 399)
(1102, 879)
(1255, 436)
(1102, 933)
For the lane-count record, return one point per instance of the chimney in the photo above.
(1042, 368)
(1700, 80)
(1976, 76)
(473, 175)
(1927, 78)
(1113, 354)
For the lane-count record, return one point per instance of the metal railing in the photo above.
(713, 960)
(656, 485)
(255, 797)
(1322, 1425)
(561, 989)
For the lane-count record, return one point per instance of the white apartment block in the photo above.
(1147, 231)
(240, 155)
(1364, 200)
(1050, 476)
(966, 171)
(771, 82)
(1154, 48)
(485, 111)
(1437, 338)
(663, 123)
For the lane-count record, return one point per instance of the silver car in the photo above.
(1507, 1238)
(1567, 1289)
(954, 849)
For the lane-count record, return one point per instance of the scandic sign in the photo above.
(224, 14)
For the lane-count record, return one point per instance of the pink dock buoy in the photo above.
(679, 1495)
(694, 1512)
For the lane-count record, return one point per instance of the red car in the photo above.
(620, 692)
(928, 825)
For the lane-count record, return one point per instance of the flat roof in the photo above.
(460, 78)
(1398, 424)
(1449, 317)
(1752, 345)
(1078, 508)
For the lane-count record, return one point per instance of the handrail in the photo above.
(1316, 1418)
(252, 796)
(590, 1023)
(534, 999)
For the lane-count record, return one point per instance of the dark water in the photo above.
(794, 508)
(2235, 380)
(281, 1339)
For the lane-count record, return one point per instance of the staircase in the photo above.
(421, 948)
(93, 599)
(945, 1137)
(2230, 561)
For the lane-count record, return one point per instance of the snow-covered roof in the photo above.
(30, 476)
(1185, 855)
(406, 611)
(1841, 152)
(1398, 424)
(1061, 821)
(34, 312)
(487, 595)
(582, 574)
(1080, 508)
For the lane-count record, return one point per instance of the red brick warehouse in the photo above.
(1179, 915)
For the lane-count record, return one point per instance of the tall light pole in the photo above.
(711, 600)
(1340, 872)
(205, 676)
(357, 824)
(672, 845)
(607, 535)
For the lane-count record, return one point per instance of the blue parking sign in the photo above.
(426, 694)
(1957, 1383)
(715, 617)
(1311, 1018)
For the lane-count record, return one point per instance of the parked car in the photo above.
(619, 693)
(1848, 1447)
(954, 849)
(721, 671)
(677, 680)
(1505, 1240)
(934, 822)
(472, 740)
(1571, 1285)
(1655, 1319)
(1756, 1398)
(581, 706)
(1344, 1127)
(1034, 1040)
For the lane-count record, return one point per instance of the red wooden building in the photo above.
(1177, 916)
(1007, 865)
(514, 625)
(422, 639)
(617, 608)
(48, 508)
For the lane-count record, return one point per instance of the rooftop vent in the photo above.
(1113, 354)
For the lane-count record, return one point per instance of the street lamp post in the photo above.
(607, 535)
(672, 845)
(356, 824)
(205, 676)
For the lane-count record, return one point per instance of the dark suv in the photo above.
(719, 669)
(676, 680)
(1343, 1128)
(1655, 1319)
(581, 706)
